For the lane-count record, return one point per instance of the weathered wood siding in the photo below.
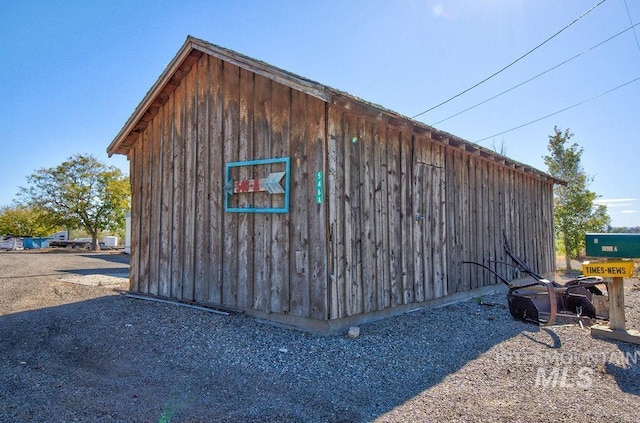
(406, 210)
(485, 201)
(185, 246)
(403, 208)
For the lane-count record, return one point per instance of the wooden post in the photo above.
(616, 304)
(617, 326)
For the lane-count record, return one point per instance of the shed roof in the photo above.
(193, 48)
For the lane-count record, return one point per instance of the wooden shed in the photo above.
(261, 191)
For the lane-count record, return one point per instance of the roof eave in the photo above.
(189, 53)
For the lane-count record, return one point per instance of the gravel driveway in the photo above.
(73, 349)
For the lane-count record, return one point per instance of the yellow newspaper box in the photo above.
(608, 269)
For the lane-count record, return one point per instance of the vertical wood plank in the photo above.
(154, 203)
(382, 217)
(487, 278)
(461, 281)
(500, 254)
(136, 214)
(418, 219)
(178, 235)
(245, 220)
(545, 238)
(428, 223)
(515, 210)
(317, 213)
(371, 218)
(526, 215)
(281, 111)
(478, 220)
(524, 224)
(202, 225)
(406, 218)
(487, 229)
(508, 217)
(231, 124)
(189, 186)
(513, 217)
(549, 228)
(444, 221)
(450, 199)
(300, 140)
(166, 214)
(518, 223)
(145, 212)
(448, 213)
(439, 246)
(394, 186)
(540, 216)
(216, 178)
(349, 273)
(500, 202)
(467, 216)
(262, 222)
(496, 232)
(336, 141)
(356, 213)
(535, 212)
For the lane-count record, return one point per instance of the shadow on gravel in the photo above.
(619, 364)
(555, 344)
(112, 258)
(121, 359)
(107, 271)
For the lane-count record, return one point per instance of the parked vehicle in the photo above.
(11, 243)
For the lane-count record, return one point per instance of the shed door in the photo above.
(429, 221)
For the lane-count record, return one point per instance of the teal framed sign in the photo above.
(275, 183)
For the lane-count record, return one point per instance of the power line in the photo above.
(631, 21)
(512, 63)
(559, 111)
(536, 76)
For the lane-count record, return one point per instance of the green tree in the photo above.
(575, 211)
(21, 220)
(80, 193)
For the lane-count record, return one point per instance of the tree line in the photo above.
(79, 193)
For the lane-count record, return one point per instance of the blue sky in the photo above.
(73, 72)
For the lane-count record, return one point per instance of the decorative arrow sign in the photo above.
(270, 184)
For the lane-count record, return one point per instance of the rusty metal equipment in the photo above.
(543, 301)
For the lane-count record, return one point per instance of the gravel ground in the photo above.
(73, 349)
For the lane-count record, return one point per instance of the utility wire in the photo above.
(631, 21)
(559, 111)
(512, 63)
(536, 76)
